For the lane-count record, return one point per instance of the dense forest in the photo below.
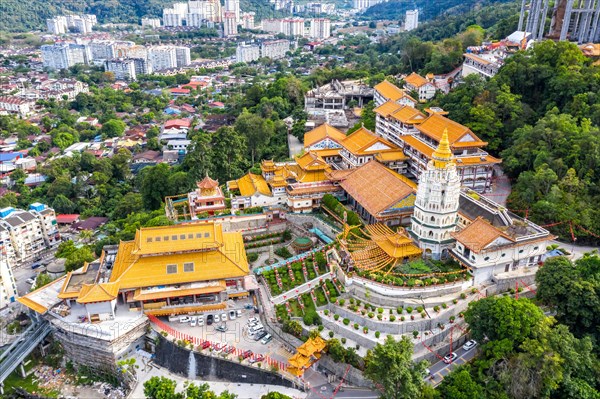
(19, 16)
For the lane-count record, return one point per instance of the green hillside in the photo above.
(19, 15)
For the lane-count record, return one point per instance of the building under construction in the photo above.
(574, 20)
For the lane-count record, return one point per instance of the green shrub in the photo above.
(326, 312)
(371, 315)
(399, 309)
(379, 317)
(363, 312)
(283, 252)
(342, 302)
(330, 334)
(252, 257)
(392, 318)
(352, 301)
(463, 295)
(436, 308)
(356, 326)
(377, 334)
(452, 318)
(423, 314)
(379, 310)
(365, 329)
(358, 302)
(455, 301)
(409, 310)
(402, 318)
(336, 317)
(346, 322)
(444, 305)
(419, 309)
(320, 328)
(343, 340)
(415, 334)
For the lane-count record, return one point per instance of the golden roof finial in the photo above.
(442, 154)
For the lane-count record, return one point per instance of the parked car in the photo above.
(209, 319)
(217, 318)
(260, 335)
(470, 345)
(221, 328)
(450, 357)
(247, 354)
(232, 315)
(193, 321)
(30, 281)
(223, 316)
(36, 265)
(252, 320)
(239, 313)
(205, 344)
(266, 339)
(185, 319)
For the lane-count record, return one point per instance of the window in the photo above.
(166, 238)
(149, 239)
(198, 235)
(188, 267)
(535, 248)
(171, 269)
(520, 251)
(182, 237)
(206, 235)
(190, 236)
(486, 258)
(157, 239)
(174, 237)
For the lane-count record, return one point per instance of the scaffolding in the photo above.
(177, 208)
(575, 20)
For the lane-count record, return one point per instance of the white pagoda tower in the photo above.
(436, 205)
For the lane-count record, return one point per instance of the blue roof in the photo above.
(9, 156)
(172, 111)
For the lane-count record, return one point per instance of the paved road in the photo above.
(294, 145)
(441, 369)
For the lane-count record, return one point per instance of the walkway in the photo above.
(18, 351)
(260, 270)
(294, 145)
(301, 289)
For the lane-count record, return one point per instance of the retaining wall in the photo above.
(177, 359)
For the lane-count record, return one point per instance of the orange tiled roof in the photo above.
(207, 182)
(415, 80)
(360, 142)
(435, 125)
(322, 132)
(387, 108)
(390, 189)
(102, 292)
(389, 90)
(408, 114)
(479, 234)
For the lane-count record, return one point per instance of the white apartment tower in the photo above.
(123, 69)
(437, 201)
(411, 21)
(57, 25)
(171, 17)
(63, 56)
(247, 52)
(229, 24)
(151, 22)
(162, 57)
(233, 6)
(248, 20)
(320, 28)
(182, 56)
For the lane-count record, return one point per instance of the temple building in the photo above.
(424, 87)
(355, 149)
(207, 199)
(387, 91)
(436, 203)
(378, 194)
(418, 135)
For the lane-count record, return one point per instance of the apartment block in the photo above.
(162, 57)
(274, 49)
(123, 69)
(8, 287)
(411, 21)
(247, 52)
(25, 235)
(320, 28)
(151, 22)
(63, 56)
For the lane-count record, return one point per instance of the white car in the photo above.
(266, 339)
(252, 320)
(232, 315)
(470, 345)
(450, 357)
(193, 321)
(30, 281)
(184, 319)
(239, 313)
(223, 316)
(217, 318)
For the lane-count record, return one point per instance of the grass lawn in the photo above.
(15, 380)
(308, 303)
(320, 295)
(295, 306)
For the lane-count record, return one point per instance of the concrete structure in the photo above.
(151, 22)
(229, 24)
(362, 5)
(411, 20)
(124, 69)
(207, 199)
(247, 52)
(25, 235)
(436, 204)
(172, 17)
(247, 20)
(162, 57)
(8, 286)
(57, 25)
(274, 49)
(484, 65)
(575, 20)
(387, 91)
(64, 24)
(336, 95)
(182, 56)
(287, 26)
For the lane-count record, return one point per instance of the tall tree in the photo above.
(390, 367)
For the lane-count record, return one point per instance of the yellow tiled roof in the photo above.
(415, 80)
(426, 150)
(480, 233)
(98, 292)
(311, 161)
(186, 237)
(435, 125)
(389, 90)
(388, 156)
(227, 260)
(250, 184)
(328, 152)
(361, 140)
(408, 114)
(321, 132)
(387, 108)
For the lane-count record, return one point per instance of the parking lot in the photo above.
(237, 333)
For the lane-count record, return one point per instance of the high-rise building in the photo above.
(123, 69)
(171, 17)
(229, 24)
(437, 201)
(232, 6)
(57, 25)
(248, 20)
(78, 23)
(364, 4)
(247, 52)
(162, 57)
(182, 56)
(274, 49)
(25, 235)
(63, 56)
(287, 26)
(151, 22)
(8, 287)
(320, 28)
(411, 21)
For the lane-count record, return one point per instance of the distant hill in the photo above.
(428, 9)
(26, 15)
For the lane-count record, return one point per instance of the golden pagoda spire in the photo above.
(442, 154)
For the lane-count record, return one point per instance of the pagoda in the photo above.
(208, 197)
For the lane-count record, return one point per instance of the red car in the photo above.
(256, 359)
(205, 345)
(246, 354)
